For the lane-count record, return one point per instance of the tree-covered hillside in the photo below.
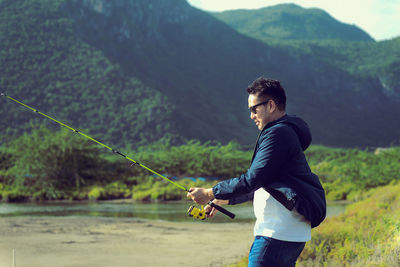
(132, 72)
(380, 60)
(291, 22)
(315, 33)
(44, 65)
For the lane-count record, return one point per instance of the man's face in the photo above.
(262, 113)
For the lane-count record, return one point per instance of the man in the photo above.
(288, 198)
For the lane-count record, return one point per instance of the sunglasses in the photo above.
(253, 109)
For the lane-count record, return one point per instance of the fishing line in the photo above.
(226, 212)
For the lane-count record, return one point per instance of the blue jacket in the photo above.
(279, 163)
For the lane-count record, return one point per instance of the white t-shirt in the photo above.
(276, 221)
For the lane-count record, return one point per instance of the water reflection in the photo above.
(171, 211)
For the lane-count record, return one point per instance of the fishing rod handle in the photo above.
(221, 209)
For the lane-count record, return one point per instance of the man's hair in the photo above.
(269, 88)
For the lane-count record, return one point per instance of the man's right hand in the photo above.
(210, 211)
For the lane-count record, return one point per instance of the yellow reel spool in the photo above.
(197, 213)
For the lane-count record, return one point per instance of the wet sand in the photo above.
(120, 242)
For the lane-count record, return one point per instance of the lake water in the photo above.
(170, 211)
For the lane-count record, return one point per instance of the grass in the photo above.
(367, 234)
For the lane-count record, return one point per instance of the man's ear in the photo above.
(272, 105)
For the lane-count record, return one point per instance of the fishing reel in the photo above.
(197, 213)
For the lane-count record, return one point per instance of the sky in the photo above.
(379, 18)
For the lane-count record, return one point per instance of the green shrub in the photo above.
(113, 190)
(153, 189)
(16, 194)
(367, 233)
(96, 193)
(53, 162)
(194, 159)
(117, 190)
(346, 174)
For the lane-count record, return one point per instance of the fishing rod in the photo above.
(193, 212)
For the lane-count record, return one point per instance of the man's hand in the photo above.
(201, 195)
(210, 211)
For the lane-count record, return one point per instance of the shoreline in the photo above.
(131, 200)
(111, 200)
(100, 241)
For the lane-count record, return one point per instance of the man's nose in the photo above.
(252, 115)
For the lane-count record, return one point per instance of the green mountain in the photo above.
(315, 33)
(291, 22)
(46, 66)
(380, 60)
(132, 72)
(312, 33)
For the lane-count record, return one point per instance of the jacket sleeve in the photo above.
(270, 156)
(241, 199)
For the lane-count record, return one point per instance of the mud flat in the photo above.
(103, 242)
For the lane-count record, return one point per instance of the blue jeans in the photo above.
(267, 251)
